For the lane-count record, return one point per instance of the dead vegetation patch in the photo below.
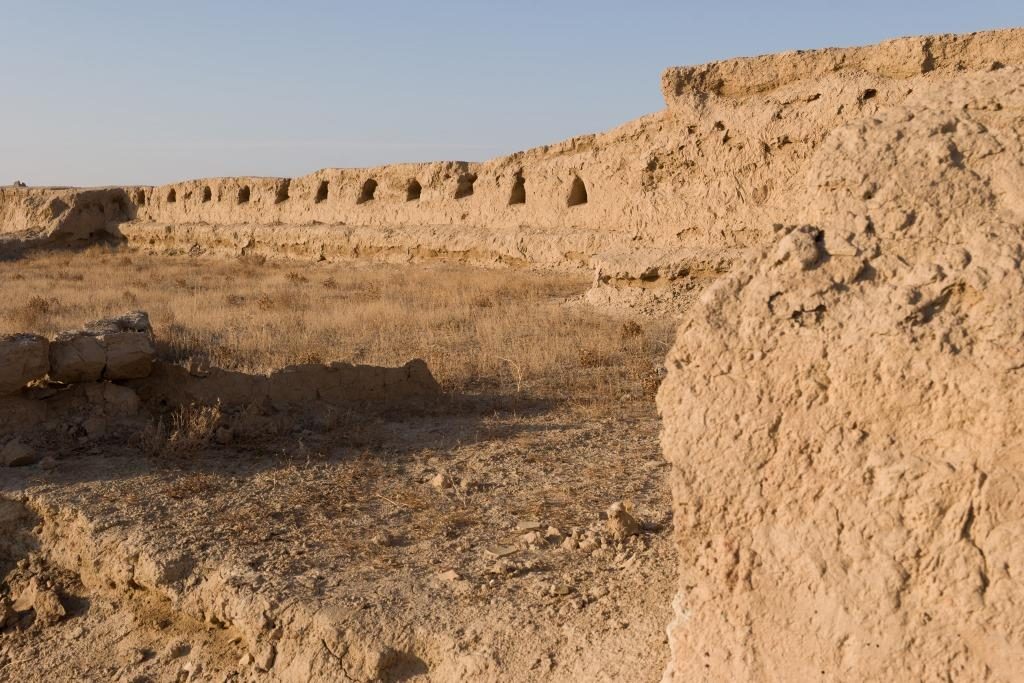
(480, 331)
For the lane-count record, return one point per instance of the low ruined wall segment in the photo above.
(64, 213)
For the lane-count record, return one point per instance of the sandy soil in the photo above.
(464, 539)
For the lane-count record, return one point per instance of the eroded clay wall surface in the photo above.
(843, 416)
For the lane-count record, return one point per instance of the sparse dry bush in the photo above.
(34, 314)
(265, 302)
(193, 426)
(68, 276)
(37, 305)
(252, 260)
(189, 429)
(631, 329)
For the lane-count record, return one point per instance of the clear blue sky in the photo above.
(101, 92)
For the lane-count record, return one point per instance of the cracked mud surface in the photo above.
(245, 555)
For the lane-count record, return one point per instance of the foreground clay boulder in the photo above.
(844, 414)
(76, 357)
(23, 358)
(118, 348)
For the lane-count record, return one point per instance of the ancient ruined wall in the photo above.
(843, 413)
(893, 60)
(678, 191)
(69, 213)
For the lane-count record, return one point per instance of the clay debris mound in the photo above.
(843, 413)
(23, 358)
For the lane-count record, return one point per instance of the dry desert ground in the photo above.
(728, 393)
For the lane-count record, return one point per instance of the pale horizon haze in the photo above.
(110, 93)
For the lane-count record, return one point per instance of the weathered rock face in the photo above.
(23, 358)
(63, 213)
(16, 454)
(115, 348)
(76, 357)
(843, 414)
(130, 355)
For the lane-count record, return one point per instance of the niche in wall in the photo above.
(577, 193)
(518, 194)
(367, 192)
(413, 191)
(465, 186)
(321, 192)
(282, 192)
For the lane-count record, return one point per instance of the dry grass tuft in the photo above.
(191, 429)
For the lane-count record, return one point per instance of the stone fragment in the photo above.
(620, 523)
(23, 358)
(224, 435)
(177, 649)
(17, 454)
(440, 481)
(119, 401)
(531, 538)
(95, 427)
(76, 357)
(500, 550)
(265, 657)
(42, 600)
(118, 348)
(561, 589)
(133, 321)
(130, 355)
